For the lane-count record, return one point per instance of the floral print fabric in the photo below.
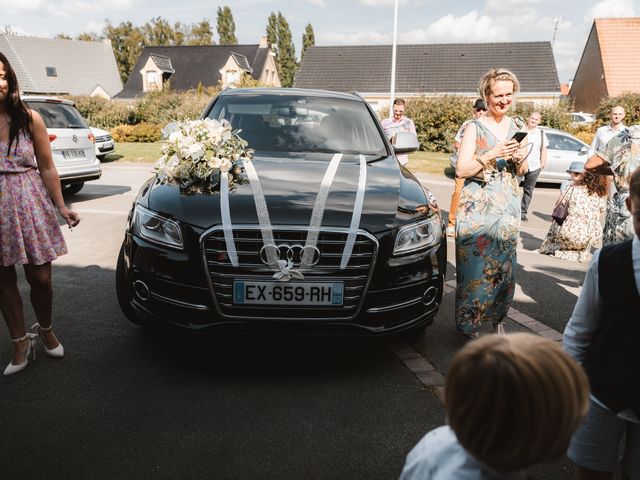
(29, 229)
(487, 230)
(622, 153)
(580, 231)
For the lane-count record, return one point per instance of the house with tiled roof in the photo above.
(185, 67)
(430, 69)
(56, 66)
(610, 63)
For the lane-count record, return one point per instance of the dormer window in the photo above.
(153, 80)
(51, 71)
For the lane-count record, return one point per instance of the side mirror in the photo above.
(405, 142)
(583, 151)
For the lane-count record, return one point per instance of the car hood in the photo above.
(290, 184)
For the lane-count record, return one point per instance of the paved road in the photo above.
(128, 403)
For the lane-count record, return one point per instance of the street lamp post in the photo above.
(393, 59)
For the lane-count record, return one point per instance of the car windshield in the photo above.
(58, 115)
(295, 123)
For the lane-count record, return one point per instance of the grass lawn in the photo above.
(135, 152)
(430, 162)
(419, 162)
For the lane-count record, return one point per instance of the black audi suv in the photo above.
(377, 260)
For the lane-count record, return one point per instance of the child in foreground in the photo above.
(511, 401)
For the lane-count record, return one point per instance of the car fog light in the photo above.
(429, 296)
(142, 290)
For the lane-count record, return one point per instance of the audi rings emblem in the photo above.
(291, 253)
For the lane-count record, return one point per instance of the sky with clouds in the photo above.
(345, 22)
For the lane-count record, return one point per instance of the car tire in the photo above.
(101, 157)
(72, 188)
(123, 292)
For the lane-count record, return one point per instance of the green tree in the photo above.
(62, 36)
(127, 41)
(89, 37)
(308, 39)
(158, 32)
(201, 34)
(226, 27)
(286, 55)
(272, 29)
(7, 30)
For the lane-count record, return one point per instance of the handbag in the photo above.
(561, 210)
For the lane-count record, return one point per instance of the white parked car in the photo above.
(563, 149)
(104, 142)
(72, 143)
(582, 118)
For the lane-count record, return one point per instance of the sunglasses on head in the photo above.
(480, 109)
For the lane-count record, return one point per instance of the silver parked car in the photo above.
(104, 142)
(563, 149)
(72, 143)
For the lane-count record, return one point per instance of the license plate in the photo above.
(106, 146)
(74, 153)
(280, 293)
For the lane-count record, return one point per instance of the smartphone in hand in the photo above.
(519, 136)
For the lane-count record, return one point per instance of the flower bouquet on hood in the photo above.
(195, 152)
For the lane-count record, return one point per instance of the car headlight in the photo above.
(156, 229)
(418, 236)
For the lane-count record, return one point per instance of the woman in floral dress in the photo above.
(29, 231)
(488, 219)
(620, 158)
(582, 229)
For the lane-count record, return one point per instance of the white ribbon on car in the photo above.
(357, 213)
(284, 268)
(227, 227)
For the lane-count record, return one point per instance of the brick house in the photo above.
(428, 70)
(187, 67)
(610, 63)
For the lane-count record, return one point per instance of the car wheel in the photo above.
(123, 292)
(72, 188)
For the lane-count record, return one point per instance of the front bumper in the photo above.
(172, 288)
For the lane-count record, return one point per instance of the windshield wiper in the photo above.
(73, 125)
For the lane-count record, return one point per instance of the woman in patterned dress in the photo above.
(620, 158)
(582, 229)
(488, 219)
(29, 231)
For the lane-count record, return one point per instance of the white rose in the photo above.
(225, 165)
(174, 136)
(196, 151)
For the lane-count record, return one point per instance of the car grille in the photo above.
(248, 244)
(104, 138)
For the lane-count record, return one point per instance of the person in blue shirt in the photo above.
(511, 401)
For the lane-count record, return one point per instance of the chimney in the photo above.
(263, 42)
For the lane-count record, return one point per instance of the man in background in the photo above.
(479, 110)
(537, 160)
(608, 131)
(398, 123)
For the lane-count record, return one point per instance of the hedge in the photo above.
(142, 132)
(437, 119)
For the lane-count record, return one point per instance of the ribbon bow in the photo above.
(286, 272)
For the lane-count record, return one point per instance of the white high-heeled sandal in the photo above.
(57, 352)
(13, 368)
